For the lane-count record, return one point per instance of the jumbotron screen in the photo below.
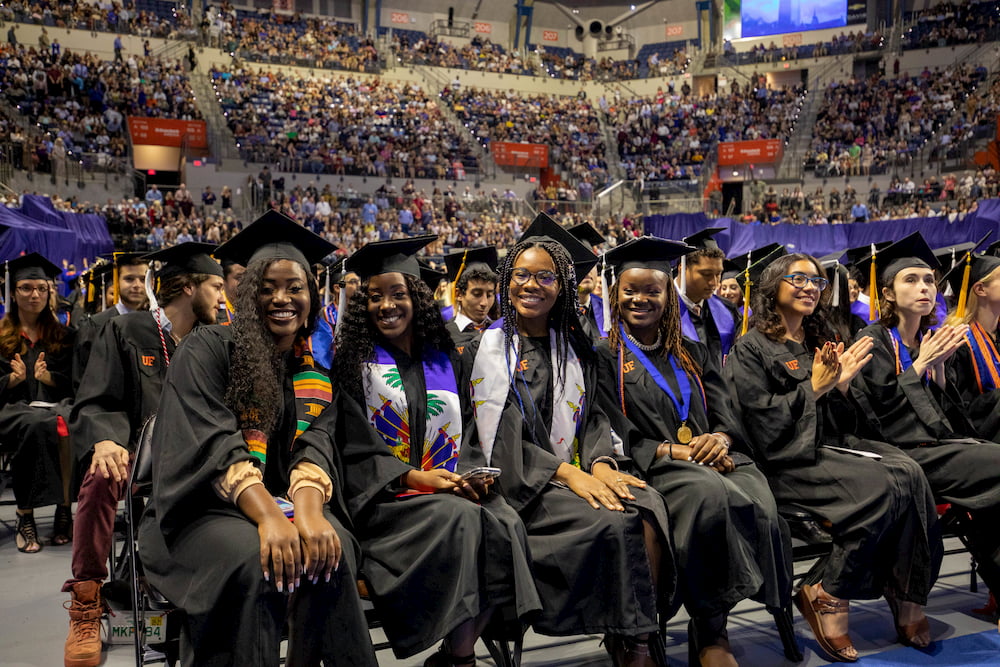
(757, 18)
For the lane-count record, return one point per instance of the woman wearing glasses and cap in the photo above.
(239, 405)
(35, 361)
(669, 404)
(442, 552)
(791, 387)
(915, 402)
(598, 537)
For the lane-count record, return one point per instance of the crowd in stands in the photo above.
(950, 198)
(480, 54)
(864, 126)
(569, 126)
(340, 125)
(119, 17)
(951, 23)
(667, 136)
(851, 42)
(73, 103)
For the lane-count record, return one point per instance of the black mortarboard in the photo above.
(908, 252)
(704, 239)
(857, 255)
(993, 249)
(393, 256)
(833, 269)
(32, 267)
(543, 227)
(760, 259)
(276, 236)
(586, 233)
(647, 252)
(188, 257)
(951, 255)
(979, 266)
(486, 257)
(739, 263)
(431, 276)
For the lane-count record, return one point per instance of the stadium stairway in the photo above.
(220, 138)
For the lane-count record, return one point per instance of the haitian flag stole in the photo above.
(385, 397)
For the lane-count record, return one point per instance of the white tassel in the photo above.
(835, 301)
(150, 292)
(683, 276)
(341, 306)
(6, 286)
(606, 295)
(326, 289)
(948, 291)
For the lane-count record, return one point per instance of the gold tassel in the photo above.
(963, 295)
(746, 301)
(872, 289)
(454, 285)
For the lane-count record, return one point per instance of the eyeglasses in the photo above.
(544, 277)
(28, 290)
(800, 280)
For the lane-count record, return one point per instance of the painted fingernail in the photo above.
(267, 576)
(281, 587)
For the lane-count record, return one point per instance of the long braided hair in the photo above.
(668, 328)
(257, 373)
(563, 317)
(355, 342)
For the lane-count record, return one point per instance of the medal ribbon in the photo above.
(683, 404)
(903, 360)
(986, 359)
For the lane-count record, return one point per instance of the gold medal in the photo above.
(684, 434)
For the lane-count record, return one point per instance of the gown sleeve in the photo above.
(100, 411)
(197, 437)
(777, 405)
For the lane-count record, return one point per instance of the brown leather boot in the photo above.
(83, 644)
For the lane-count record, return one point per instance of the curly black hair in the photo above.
(257, 372)
(766, 318)
(564, 316)
(356, 339)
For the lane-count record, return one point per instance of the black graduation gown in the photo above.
(981, 408)
(120, 388)
(927, 422)
(31, 434)
(88, 329)
(461, 338)
(426, 581)
(590, 566)
(729, 541)
(884, 525)
(202, 552)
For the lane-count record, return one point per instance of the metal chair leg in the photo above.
(786, 630)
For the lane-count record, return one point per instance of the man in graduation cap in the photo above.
(474, 278)
(128, 273)
(705, 316)
(342, 285)
(591, 305)
(232, 272)
(119, 390)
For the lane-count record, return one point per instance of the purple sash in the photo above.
(861, 310)
(724, 322)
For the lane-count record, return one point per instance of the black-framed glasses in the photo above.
(545, 278)
(28, 290)
(800, 280)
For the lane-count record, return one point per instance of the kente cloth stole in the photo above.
(986, 360)
(385, 396)
(491, 385)
(313, 394)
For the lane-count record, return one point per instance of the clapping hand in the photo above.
(853, 360)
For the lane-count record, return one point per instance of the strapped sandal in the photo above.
(27, 534)
(62, 526)
(837, 648)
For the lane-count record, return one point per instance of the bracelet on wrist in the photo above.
(604, 459)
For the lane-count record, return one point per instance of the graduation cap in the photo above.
(544, 228)
(738, 264)
(188, 257)
(459, 262)
(951, 255)
(857, 255)
(276, 236)
(993, 249)
(647, 252)
(704, 239)
(832, 267)
(969, 269)
(430, 275)
(908, 252)
(586, 233)
(27, 267)
(754, 263)
(393, 256)
(96, 276)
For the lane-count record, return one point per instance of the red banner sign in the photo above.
(483, 28)
(399, 17)
(167, 132)
(762, 151)
(550, 36)
(675, 30)
(520, 155)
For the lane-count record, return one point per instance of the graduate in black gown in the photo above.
(592, 310)
(916, 405)
(791, 387)
(235, 401)
(128, 273)
(35, 359)
(975, 366)
(427, 582)
(598, 537)
(472, 273)
(666, 398)
(119, 391)
(705, 316)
